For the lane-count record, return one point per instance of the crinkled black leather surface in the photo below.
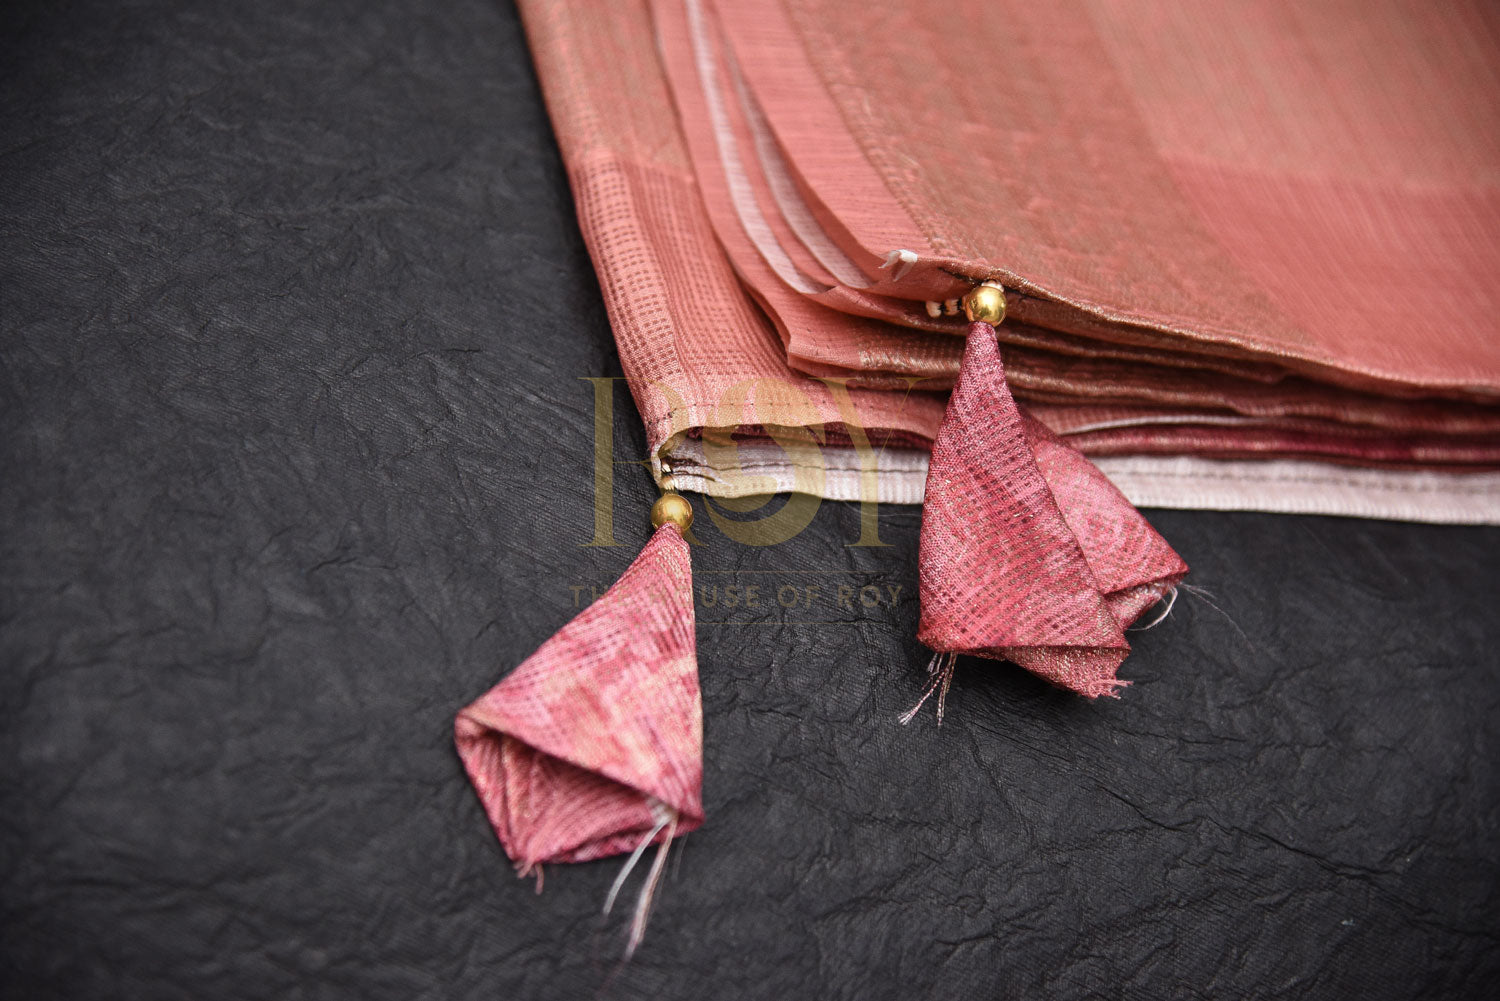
(297, 461)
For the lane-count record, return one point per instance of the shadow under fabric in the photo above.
(593, 746)
(1202, 259)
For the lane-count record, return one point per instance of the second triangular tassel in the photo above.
(593, 746)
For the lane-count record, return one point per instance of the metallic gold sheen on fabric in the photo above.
(1027, 553)
(1270, 213)
(574, 753)
(1314, 184)
(697, 350)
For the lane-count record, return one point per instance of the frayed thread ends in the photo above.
(904, 258)
(524, 869)
(666, 819)
(1207, 597)
(940, 670)
(1170, 597)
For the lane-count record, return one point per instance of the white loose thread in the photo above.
(1161, 616)
(1207, 598)
(648, 892)
(940, 669)
(666, 819)
(905, 258)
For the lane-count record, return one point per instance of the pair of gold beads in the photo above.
(985, 302)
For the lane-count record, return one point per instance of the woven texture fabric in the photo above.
(697, 349)
(1027, 553)
(576, 753)
(1268, 231)
(1260, 177)
(1161, 261)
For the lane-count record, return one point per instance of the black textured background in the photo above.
(296, 462)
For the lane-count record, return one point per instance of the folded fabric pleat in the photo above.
(1027, 553)
(775, 200)
(579, 752)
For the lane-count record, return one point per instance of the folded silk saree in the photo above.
(1253, 232)
(1024, 264)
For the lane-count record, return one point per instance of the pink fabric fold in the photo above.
(1027, 553)
(592, 742)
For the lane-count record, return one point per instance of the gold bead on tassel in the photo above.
(674, 508)
(985, 303)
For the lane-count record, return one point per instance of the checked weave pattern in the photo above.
(1028, 553)
(570, 750)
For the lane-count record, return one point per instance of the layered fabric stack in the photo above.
(1252, 254)
(949, 253)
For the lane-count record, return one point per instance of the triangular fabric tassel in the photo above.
(1028, 553)
(1132, 564)
(593, 746)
